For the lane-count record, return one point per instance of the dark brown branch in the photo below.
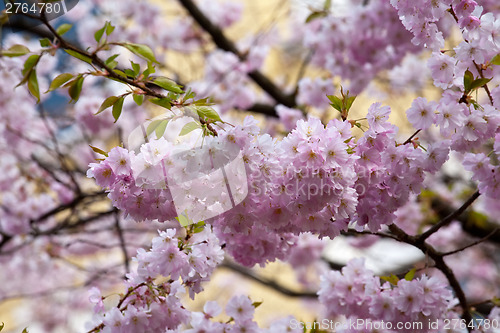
(248, 273)
(123, 245)
(439, 264)
(449, 218)
(225, 44)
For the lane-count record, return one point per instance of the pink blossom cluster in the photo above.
(183, 261)
(358, 42)
(357, 293)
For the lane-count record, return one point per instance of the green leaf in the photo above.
(119, 72)
(79, 56)
(64, 28)
(141, 50)
(411, 274)
(110, 62)
(25, 330)
(130, 73)
(392, 279)
(30, 63)
(98, 34)
(315, 15)
(136, 68)
(167, 84)
(117, 108)
(163, 102)
(478, 83)
(328, 4)
(199, 227)
(184, 220)
(207, 112)
(44, 42)
(468, 78)
(16, 51)
(109, 29)
(496, 60)
(99, 151)
(138, 99)
(33, 85)
(189, 127)
(256, 304)
(75, 88)
(336, 102)
(154, 124)
(59, 81)
(2, 326)
(160, 129)
(349, 102)
(110, 101)
(150, 70)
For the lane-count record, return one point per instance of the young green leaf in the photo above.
(99, 151)
(44, 42)
(33, 85)
(163, 102)
(117, 108)
(136, 68)
(75, 88)
(59, 81)
(63, 28)
(392, 279)
(138, 99)
(411, 274)
(154, 124)
(110, 62)
(315, 15)
(110, 101)
(207, 112)
(183, 220)
(189, 127)
(160, 129)
(109, 28)
(30, 63)
(167, 84)
(2, 325)
(496, 60)
(141, 50)
(79, 56)
(336, 102)
(98, 34)
(16, 51)
(478, 83)
(150, 70)
(468, 79)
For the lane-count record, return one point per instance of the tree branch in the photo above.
(225, 44)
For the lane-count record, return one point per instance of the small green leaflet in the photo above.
(110, 101)
(189, 127)
(16, 51)
(33, 85)
(141, 50)
(163, 102)
(184, 220)
(411, 274)
(110, 62)
(99, 151)
(392, 279)
(468, 78)
(138, 99)
(108, 28)
(75, 88)
(158, 126)
(59, 81)
(207, 112)
(167, 84)
(44, 42)
(78, 56)
(495, 60)
(117, 108)
(63, 28)
(2, 326)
